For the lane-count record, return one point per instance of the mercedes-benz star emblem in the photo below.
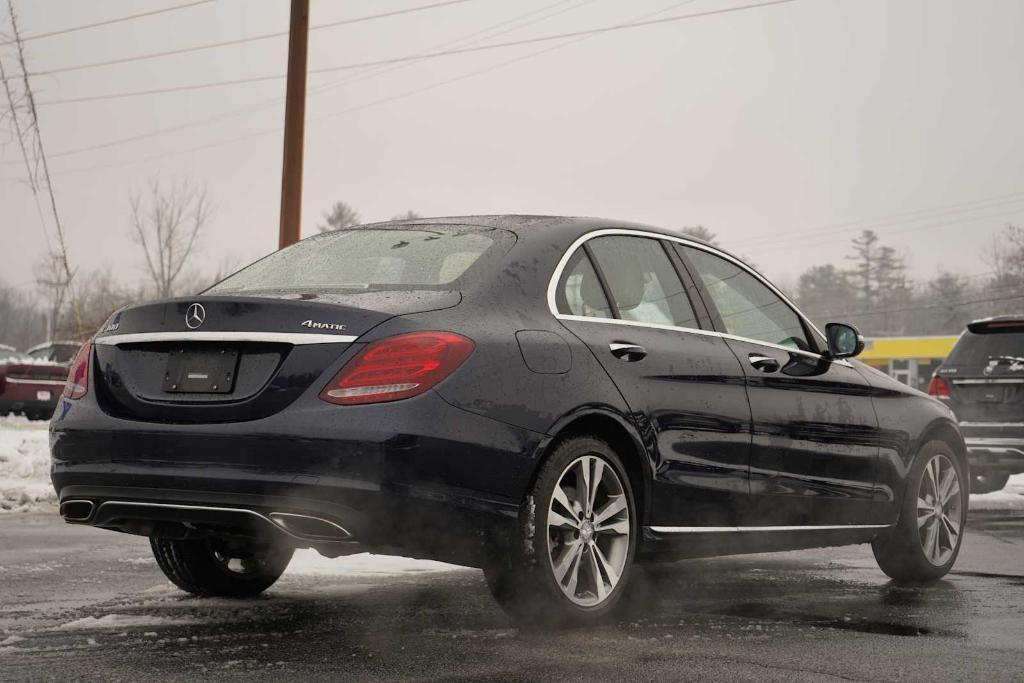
(194, 316)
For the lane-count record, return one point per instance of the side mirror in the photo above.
(844, 341)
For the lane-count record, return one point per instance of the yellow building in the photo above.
(911, 360)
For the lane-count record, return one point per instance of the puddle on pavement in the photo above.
(768, 612)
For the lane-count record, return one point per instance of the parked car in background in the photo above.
(550, 399)
(28, 385)
(61, 352)
(982, 380)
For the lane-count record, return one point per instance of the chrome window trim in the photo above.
(552, 294)
(747, 529)
(297, 339)
(995, 425)
(993, 441)
(1000, 380)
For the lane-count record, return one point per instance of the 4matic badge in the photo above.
(316, 325)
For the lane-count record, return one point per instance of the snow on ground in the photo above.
(24, 466)
(1010, 498)
(310, 562)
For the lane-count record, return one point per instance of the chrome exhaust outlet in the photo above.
(310, 528)
(77, 511)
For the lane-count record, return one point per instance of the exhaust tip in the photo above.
(76, 510)
(308, 527)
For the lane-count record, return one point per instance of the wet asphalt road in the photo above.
(77, 603)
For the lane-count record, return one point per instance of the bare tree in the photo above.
(407, 216)
(166, 223)
(340, 216)
(54, 284)
(701, 233)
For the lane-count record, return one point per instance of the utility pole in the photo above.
(294, 125)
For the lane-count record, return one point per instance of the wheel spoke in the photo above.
(572, 553)
(952, 529)
(606, 566)
(931, 544)
(560, 521)
(574, 576)
(583, 484)
(614, 506)
(620, 528)
(599, 586)
(954, 491)
(562, 499)
(595, 483)
(945, 484)
(933, 477)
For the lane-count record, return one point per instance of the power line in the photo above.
(322, 88)
(40, 152)
(955, 222)
(108, 22)
(402, 95)
(240, 41)
(881, 221)
(910, 309)
(416, 57)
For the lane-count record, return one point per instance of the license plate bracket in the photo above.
(210, 371)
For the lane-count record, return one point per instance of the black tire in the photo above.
(901, 551)
(522, 577)
(989, 482)
(202, 566)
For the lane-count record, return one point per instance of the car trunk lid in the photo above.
(223, 359)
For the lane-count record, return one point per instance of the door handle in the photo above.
(627, 352)
(764, 363)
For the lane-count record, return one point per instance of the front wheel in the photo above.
(221, 567)
(575, 543)
(925, 542)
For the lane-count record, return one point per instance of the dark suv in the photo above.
(983, 382)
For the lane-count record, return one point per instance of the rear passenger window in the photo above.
(642, 281)
(581, 292)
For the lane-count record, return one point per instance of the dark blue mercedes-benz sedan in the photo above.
(551, 399)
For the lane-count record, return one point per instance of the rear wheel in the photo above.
(925, 542)
(221, 567)
(575, 544)
(987, 482)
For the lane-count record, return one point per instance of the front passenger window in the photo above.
(748, 308)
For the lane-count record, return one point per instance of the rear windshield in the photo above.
(978, 349)
(414, 257)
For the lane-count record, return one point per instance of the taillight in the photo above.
(938, 387)
(78, 375)
(397, 367)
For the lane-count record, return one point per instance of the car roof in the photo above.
(528, 225)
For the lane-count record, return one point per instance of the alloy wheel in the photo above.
(939, 509)
(588, 529)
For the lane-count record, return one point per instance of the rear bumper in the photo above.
(418, 477)
(994, 446)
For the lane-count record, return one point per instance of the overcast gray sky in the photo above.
(797, 118)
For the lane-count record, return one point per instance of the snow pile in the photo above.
(1010, 498)
(24, 466)
(310, 562)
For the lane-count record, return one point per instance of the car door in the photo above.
(624, 297)
(814, 455)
